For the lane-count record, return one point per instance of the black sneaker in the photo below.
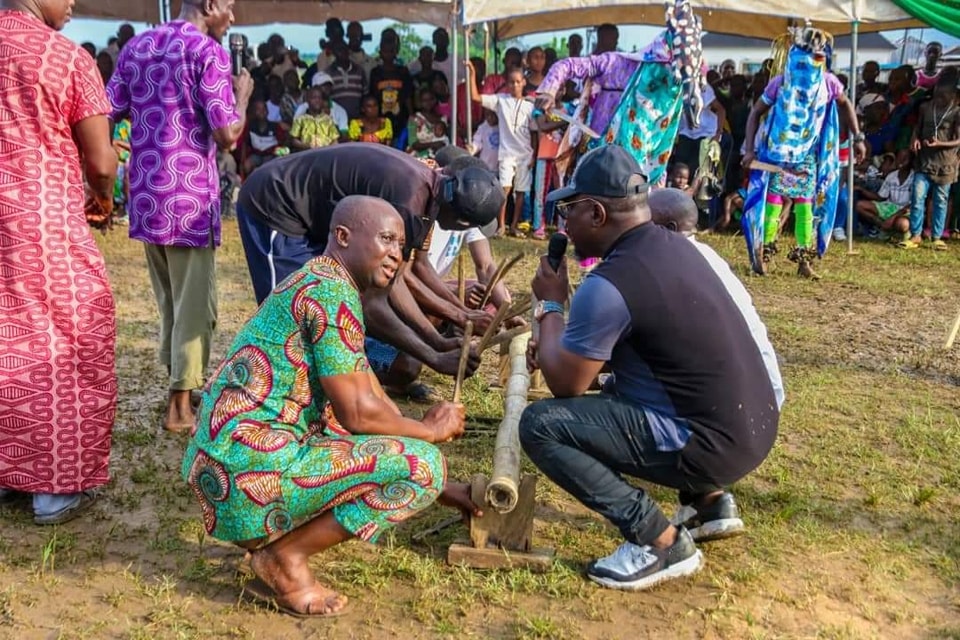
(636, 567)
(717, 521)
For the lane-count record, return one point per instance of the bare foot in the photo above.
(294, 586)
(180, 417)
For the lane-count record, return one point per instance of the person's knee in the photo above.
(430, 470)
(534, 425)
(403, 371)
(902, 224)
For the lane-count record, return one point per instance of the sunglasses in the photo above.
(564, 208)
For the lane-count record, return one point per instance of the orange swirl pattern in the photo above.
(250, 380)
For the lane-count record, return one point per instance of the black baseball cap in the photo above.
(604, 172)
(476, 195)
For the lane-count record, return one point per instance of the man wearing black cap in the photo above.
(284, 212)
(689, 406)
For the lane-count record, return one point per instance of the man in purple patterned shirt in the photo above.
(174, 84)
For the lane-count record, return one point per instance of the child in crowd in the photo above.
(262, 141)
(536, 70)
(293, 96)
(427, 132)
(516, 141)
(371, 126)
(315, 128)
(275, 92)
(121, 188)
(679, 178)
(889, 208)
(935, 141)
(486, 141)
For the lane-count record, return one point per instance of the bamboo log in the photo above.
(503, 490)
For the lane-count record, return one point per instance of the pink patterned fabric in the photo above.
(173, 82)
(58, 390)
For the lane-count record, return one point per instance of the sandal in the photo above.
(260, 592)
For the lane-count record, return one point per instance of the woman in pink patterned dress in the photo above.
(58, 390)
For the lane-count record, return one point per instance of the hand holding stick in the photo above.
(462, 367)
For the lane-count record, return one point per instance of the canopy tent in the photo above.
(253, 12)
(758, 18)
(944, 16)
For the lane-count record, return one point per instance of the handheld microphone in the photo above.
(556, 249)
(236, 52)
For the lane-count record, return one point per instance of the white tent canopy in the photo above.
(253, 12)
(757, 18)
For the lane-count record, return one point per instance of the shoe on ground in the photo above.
(83, 503)
(839, 234)
(909, 243)
(714, 522)
(634, 568)
(939, 245)
(873, 233)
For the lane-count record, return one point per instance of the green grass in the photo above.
(852, 519)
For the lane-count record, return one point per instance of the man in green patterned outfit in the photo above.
(297, 448)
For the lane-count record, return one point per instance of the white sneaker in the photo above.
(635, 568)
(839, 234)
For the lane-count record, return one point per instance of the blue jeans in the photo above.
(586, 444)
(922, 184)
(271, 255)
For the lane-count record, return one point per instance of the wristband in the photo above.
(547, 306)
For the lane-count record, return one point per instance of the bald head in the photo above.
(673, 209)
(367, 238)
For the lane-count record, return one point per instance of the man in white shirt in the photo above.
(677, 211)
(692, 143)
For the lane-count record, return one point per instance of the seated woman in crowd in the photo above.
(371, 126)
(297, 448)
(315, 128)
(427, 130)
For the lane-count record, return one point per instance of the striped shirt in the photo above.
(349, 86)
(895, 191)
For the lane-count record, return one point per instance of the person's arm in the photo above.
(99, 158)
(717, 107)
(569, 69)
(296, 143)
(403, 304)
(760, 109)
(475, 95)
(486, 268)
(954, 141)
(847, 107)
(596, 324)
(224, 99)
(437, 299)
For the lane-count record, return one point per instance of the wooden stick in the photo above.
(953, 334)
(503, 489)
(505, 337)
(500, 274)
(461, 279)
(462, 366)
(494, 326)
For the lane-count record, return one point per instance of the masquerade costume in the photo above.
(801, 137)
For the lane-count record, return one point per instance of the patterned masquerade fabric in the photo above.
(268, 451)
(802, 134)
(58, 389)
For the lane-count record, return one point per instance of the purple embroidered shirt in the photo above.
(174, 84)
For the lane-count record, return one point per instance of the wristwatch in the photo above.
(858, 137)
(546, 306)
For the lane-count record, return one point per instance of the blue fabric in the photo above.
(597, 329)
(803, 123)
(921, 186)
(380, 355)
(271, 255)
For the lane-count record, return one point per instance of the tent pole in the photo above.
(851, 169)
(486, 45)
(496, 47)
(468, 108)
(455, 31)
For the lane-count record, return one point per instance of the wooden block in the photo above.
(462, 554)
(512, 531)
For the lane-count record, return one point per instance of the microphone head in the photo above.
(556, 249)
(236, 41)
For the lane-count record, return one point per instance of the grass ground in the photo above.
(852, 519)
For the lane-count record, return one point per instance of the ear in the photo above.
(673, 226)
(599, 216)
(209, 6)
(342, 235)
